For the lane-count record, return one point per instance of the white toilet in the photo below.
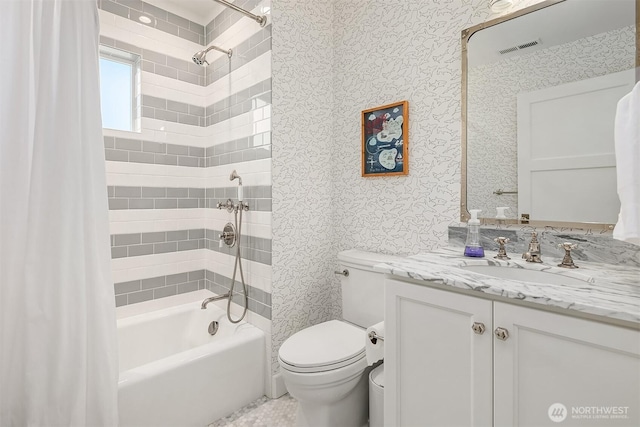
(324, 366)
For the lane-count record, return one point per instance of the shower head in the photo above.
(235, 175)
(200, 57)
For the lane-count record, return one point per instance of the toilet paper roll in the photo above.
(375, 352)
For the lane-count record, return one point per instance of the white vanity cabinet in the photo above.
(549, 358)
(439, 371)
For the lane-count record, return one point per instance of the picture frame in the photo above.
(385, 140)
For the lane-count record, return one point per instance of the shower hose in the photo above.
(237, 265)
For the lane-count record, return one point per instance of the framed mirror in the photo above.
(539, 94)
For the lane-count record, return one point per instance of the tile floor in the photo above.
(263, 412)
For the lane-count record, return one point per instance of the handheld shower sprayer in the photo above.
(200, 57)
(233, 176)
(233, 235)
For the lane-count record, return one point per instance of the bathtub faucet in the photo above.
(212, 299)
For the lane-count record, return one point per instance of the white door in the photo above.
(554, 366)
(566, 158)
(437, 369)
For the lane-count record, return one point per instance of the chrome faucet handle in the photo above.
(228, 205)
(533, 254)
(567, 261)
(502, 253)
(228, 236)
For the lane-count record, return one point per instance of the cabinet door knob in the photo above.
(501, 334)
(478, 328)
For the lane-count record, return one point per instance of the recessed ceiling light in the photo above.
(144, 19)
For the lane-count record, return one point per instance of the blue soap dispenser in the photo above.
(473, 248)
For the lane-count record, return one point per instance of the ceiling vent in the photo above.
(508, 50)
(520, 47)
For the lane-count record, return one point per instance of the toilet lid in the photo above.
(327, 343)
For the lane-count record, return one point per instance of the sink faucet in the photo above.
(212, 299)
(567, 261)
(502, 253)
(533, 254)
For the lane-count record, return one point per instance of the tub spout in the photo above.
(212, 299)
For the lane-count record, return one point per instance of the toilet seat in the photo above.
(323, 347)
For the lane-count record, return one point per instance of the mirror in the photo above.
(539, 95)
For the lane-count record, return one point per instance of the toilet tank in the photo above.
(363, 289)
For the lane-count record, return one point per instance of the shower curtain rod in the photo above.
(262, 20)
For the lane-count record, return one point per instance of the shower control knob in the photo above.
(228, 236)
(478, 328)
(502, 334)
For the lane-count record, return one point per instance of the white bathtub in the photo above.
(173, 373)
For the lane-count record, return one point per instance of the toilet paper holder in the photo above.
(373, 337)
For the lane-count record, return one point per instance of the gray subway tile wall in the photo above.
(254, 97)
(259, 301)
(138, 150)
(245, 52)
(160, 19)
(123, 197)
(139, 244)
(162, 286)
(158, 287)
(225, 19)
(156, 198)
(253, 147)
(172, 111)
(251, 248)
(257, 197)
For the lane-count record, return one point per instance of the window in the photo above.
(118, 100)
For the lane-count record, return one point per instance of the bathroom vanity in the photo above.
(468, 348)
(485, 342)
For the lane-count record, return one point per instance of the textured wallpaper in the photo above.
(303, 289)
(388, 51)
(331, 60)
(493, 90)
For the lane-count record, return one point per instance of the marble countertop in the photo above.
(604, 290)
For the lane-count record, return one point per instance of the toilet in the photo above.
(324, 366)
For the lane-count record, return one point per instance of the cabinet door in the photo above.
(437, 369)
(554, 368)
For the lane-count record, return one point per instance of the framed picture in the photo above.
(385, 140)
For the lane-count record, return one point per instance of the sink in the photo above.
(525, 275)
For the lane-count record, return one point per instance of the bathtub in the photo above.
(173, 373)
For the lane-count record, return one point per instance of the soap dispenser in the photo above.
(501, 212)
(473, 248)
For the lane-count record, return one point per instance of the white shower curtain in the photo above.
(58, 358)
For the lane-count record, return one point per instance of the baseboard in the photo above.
(278, 387)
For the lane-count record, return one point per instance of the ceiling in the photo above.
(200, 11)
